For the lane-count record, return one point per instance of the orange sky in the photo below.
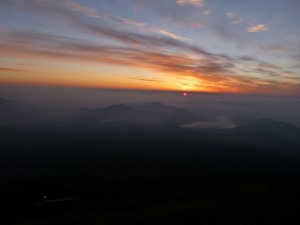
(83, 45)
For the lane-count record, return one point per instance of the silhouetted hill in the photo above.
(119, 108)
(137, 157)
(155, 106)
(120, 111)
(267, 129)
(3, 101)
(146, 113)
(17, 112)
(169, 114)
(83, 111)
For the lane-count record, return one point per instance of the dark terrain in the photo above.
(138, 165)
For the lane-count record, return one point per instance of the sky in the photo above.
(217, 46)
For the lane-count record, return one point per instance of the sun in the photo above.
(184, 94)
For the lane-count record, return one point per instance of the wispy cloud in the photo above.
(207, 12)
(69, 10)
(234, 19)
(137, 44)
(61, 11)
(61, 8)
(73, 6)
(198, 3)
(267, 72)
(146, 28)
(216, 71)
(170, 34)
(131, 22)
(142, 40)
(291, 75)
(268, 65)
(237, 21)
(6, 69)
(296, 66)
(247, 58)
(146, 79)
(230, 15)
(257, 28)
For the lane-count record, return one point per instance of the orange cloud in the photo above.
(198, 3)
(257, 28)
(198, 69)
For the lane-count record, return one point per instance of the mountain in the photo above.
(155, 106)
(3, 101)
(119, 110)
(146, 113)
(171, 115)
(267, 130)
(17, 112)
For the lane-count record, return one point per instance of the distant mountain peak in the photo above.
(117, 107)
(81, 111)
(4, 101)
(155, 106)
(119, 110)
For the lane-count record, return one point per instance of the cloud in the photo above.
(257, 28)
(130, 22)
(238, 21)
(230, 15)
(267, 72)
(69, 9)
(143, 40)
(146, 79)
(166, 54)
(234, 19)
(6, 69)
(198, 3)
(170, 34)
(247, 58)
(207, 12)
(215, 72)
(62, 6)
(268, 65)
(291, 75)
(72, 6)
(144, 27)
(296, 66)
(260, 67)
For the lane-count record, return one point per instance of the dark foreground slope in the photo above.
(158, 173)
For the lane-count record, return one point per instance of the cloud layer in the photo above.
(116, 40)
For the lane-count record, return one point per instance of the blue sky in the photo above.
(189, 45)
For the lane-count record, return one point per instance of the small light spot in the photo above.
(184, 94)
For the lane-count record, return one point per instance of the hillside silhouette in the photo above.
(140, 158)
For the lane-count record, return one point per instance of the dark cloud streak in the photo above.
(6, 69)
